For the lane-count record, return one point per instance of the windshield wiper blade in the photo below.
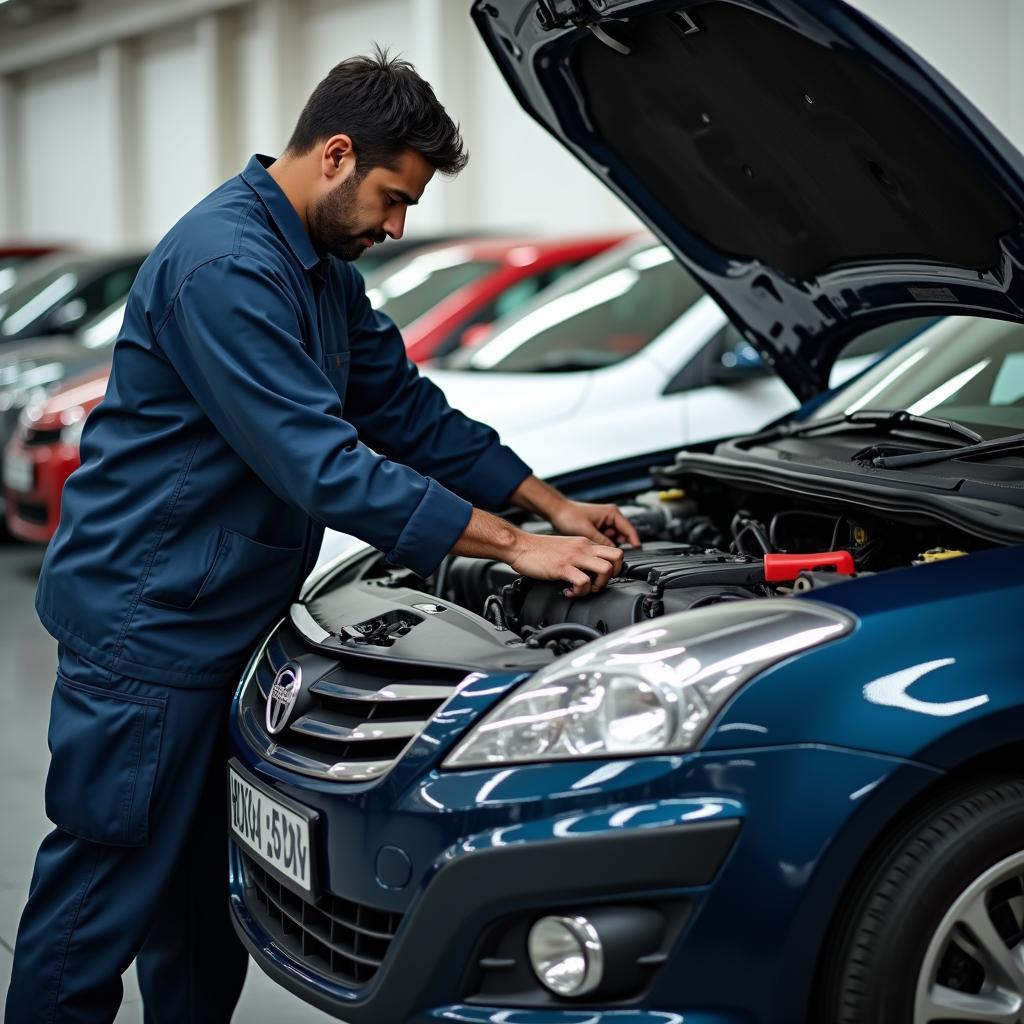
(996, 446)
(884, 419)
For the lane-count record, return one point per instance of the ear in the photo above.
(337, 157)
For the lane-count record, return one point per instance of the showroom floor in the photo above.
(29, 656)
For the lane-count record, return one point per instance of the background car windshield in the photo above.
(10, 267)
(59, 294)
(413, 288)
(965, 369)
(37, 291)
(102, 330)
(604, 313)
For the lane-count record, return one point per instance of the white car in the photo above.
(625, 354)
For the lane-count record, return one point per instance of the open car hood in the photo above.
(813, 173)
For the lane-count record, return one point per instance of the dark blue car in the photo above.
(775, 771)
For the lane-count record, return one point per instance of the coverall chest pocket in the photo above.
(337, 367)
(104, 749)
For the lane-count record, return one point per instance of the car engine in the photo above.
(691, 558)
(713, 545)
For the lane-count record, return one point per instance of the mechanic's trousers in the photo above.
(137, 865)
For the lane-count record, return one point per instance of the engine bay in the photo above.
(702, 547)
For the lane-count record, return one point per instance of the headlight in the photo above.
(652, 688)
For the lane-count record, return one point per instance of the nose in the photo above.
(394, 225)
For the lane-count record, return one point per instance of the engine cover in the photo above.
(659, 579)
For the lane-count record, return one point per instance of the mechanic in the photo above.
(250, 376)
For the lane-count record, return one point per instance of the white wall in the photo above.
(172, 119)
(976, 45)
(116, 119)
(58, 174)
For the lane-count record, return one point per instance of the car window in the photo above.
(9, 269)
(881, 339)
(505, 304)
(966, 369)
(607, 311)
(406, 291)
(64, 284)
(102, 329)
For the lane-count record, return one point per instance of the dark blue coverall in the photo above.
(249, 378)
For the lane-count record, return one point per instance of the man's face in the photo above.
(363, 210)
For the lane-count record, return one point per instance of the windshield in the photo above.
(102, 330)
(73, 285)
(605, 312)
(10, 268)
(406, 291)
(966, 369)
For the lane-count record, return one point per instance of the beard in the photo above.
(333, 223)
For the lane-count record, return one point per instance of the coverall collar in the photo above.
(281, 210)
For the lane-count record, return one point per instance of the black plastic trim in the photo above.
(469, 893)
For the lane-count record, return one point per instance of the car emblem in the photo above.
(430, 609)
(282, 697)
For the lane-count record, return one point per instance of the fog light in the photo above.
(566, 955)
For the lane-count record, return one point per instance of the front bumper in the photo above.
(33, 515)
(469, 892)
(736, 842)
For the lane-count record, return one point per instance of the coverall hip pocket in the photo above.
(104, 749)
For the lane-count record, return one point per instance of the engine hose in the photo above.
(563, 631)
(494, 611)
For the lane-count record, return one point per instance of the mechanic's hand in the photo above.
(603, 524)
(585, 565)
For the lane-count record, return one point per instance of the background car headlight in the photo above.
(652, 688)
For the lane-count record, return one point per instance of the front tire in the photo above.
(935, 933)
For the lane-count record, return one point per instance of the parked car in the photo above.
(14, 259)
(57, 294)
(772, 773)
(443, 296)
(43, 453)
(30, 370)
(625, 348)
(392, 249)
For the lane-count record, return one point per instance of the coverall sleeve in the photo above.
(238, 350)
(407, 416)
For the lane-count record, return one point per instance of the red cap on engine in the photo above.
(781, 568)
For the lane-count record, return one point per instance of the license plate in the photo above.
(275, 834)
(19, 473)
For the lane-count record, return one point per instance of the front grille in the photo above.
(346, 941)
(353, 719)
(30, 512)
(36, 438)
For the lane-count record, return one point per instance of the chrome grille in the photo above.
(344, 940)
(354, 720)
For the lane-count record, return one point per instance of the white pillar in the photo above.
(11, 194)
(219, 73)
(117, 138)
(445, 51)
(277, 94)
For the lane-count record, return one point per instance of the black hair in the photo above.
(385, 107)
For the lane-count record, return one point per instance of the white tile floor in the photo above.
(27, 660)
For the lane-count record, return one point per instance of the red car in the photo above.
(441, 297)
(44, 452)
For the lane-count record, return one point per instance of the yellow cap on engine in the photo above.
(940, 555)
(672, 494)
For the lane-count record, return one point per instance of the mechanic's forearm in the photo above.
(538, 497)
(488, 536)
